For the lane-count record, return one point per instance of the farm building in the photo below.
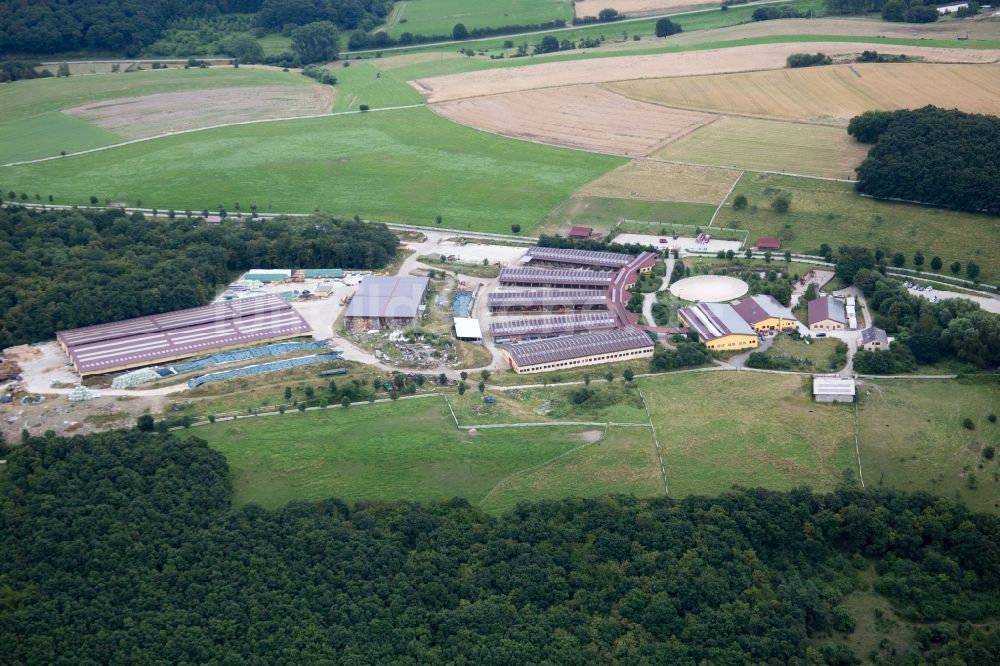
(768, 244)
(571, 257)
(765, 313)
(572, 351)
(580, 233)
(555, 278)
(874, 339)
(323, 273)
(827, 313)
(539, 300)
(833, 389)
(386, 302)
(719, 326)
(143, 341)
(267, 275)
(467, 328)
(547, 327)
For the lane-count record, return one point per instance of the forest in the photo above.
(942, 157)
(69, 268)
(123, 547)
(126, 27)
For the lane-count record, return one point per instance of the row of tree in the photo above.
(122, 547)
(943, 157)
(64, 269)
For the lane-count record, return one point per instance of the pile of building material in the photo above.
(80, 393)
(235, 355)
(134, 378)
(263, 368)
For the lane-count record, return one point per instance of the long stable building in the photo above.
(554, 278)
(540, 300)
(546, 327)
(570, 257)
(143, 341)
(764, 314)
(719, 326)
(572, 351)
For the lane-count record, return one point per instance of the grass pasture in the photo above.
(912, 438)
(651, 180)
(438, 17)
(768, 145)
(603, 213)
(365, 83)
(32, 124)
(403, 166)
(830, 95)
(832, 213)
(719, 429)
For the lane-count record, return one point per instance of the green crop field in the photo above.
(719, 429)
(411, 450)
(365, 83)
(32, 124)
(438, 17)
(912, 438)
(832, 213)
(769, 145)
(401, 166)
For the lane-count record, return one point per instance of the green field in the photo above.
(438, 17)
(412, 450)
(603, 213)
(912, 438)
(32, 125)
(401, 166)
(364, 83)
(812, 355)
(832, 213)
(720, 429)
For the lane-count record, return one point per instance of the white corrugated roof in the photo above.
(833, 386)
(467, 327)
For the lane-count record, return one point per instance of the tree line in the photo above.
(124, 546)
(942, 157)
(69, 268)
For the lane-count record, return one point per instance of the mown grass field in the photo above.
(366, 83)
(719, 429)
(438, 17)
(813, 356)
(411, 450)
(832, 213)
(32, 124)
(602, 213)
(912, 438)
(402, 166)
(769, 145)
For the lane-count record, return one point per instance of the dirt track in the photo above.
(637, 7)
(582, 116)
(689, 63)
(151, 115)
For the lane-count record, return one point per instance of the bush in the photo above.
(320, 73)
(739, 202)
(665, 27)
(968, 424)
(808, 60)
(363, 107)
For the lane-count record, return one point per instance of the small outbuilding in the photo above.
(581, 233)
(768, 244)
(468, 329)
(874, 339)
(834, 389)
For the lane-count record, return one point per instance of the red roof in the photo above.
(768, 243)
(581, 232)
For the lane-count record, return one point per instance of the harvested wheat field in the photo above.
(830, 95)
(585, 117)
(161, 113)
(636, 7)
(661, 65)
(771, 145)
(650, 180)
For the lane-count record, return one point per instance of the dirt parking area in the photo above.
(649, 180)
(636, 7)
(661, 65)
(580, 116)
(162, 113)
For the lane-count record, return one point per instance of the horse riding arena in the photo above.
(709, 288)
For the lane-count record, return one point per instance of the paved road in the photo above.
(650, 299)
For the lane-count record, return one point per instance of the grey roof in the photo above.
(578, 346)
(388, 297)
(763, 306)
(874, 334)
(149, 340)
(543, 276)
(551, 325)
(827, 307)
(542, 297)
(581, 257)
(833, 386)
(715, 320)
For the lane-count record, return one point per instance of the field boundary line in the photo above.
(656, 443)
(724, 198)
(202, 129)
(451, 409)
(557, 424)
(857, 445)
(540, 465)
